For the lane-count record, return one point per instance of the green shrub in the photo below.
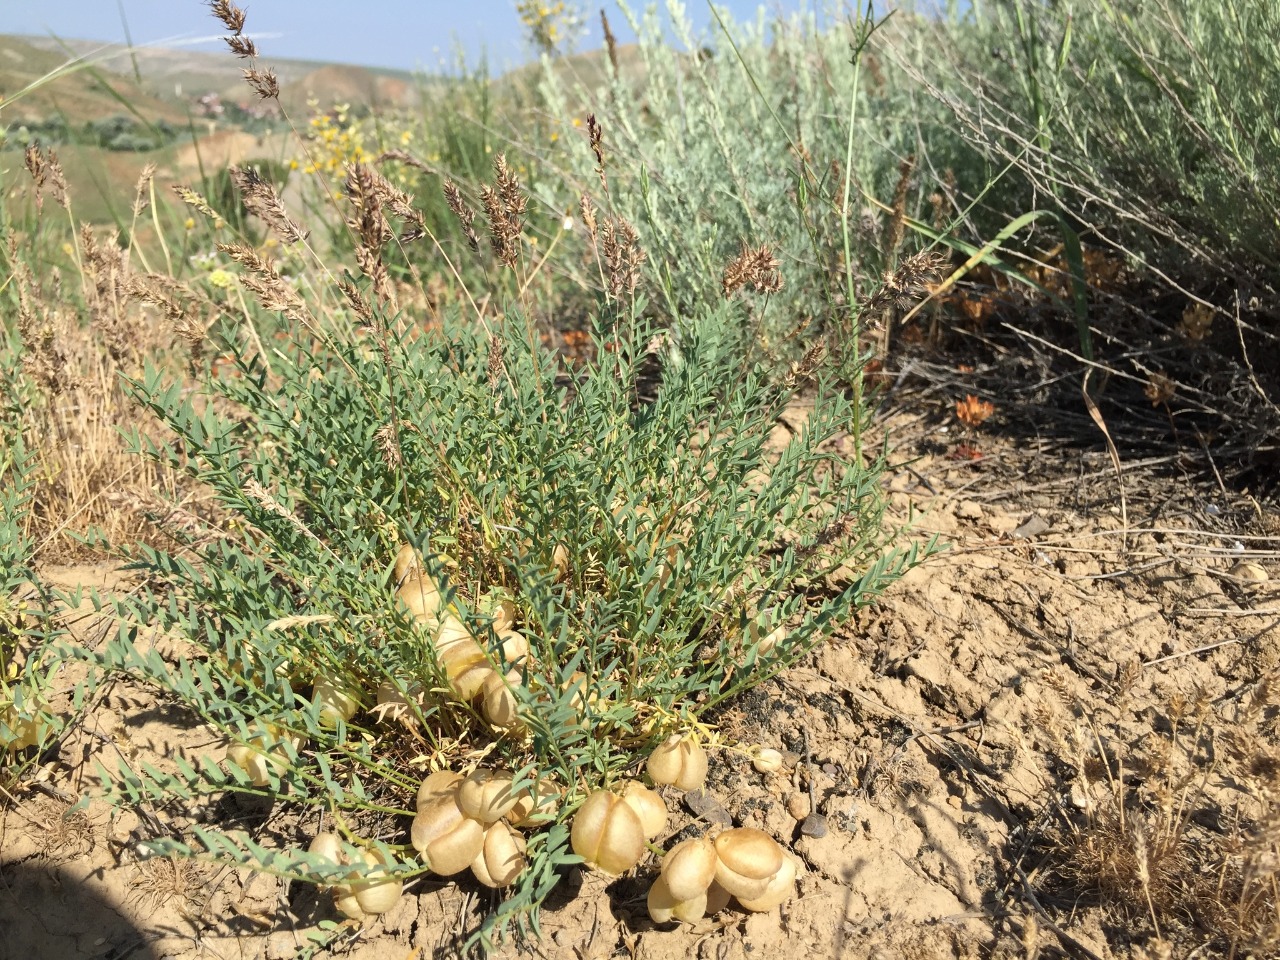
(1156, 124)
(647, 543)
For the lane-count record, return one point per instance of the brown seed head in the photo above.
(232, 17)
(260, 198)
(242, 47)
(466, 216)
(263, 81)
(757, 267)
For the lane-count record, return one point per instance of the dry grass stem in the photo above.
(898, 213)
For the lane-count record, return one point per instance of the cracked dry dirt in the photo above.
(937, 728)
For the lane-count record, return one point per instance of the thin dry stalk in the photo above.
(898, 214)
(610, 41)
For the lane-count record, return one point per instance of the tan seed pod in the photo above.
(502, 608)
(747, 859)
(469, 684)
(327, 845)
(408, 561)
(664, 907)
(607, 834)
(456, 647)
(498, 702)
(689, 867)
(487, 795)
(1250, 571)
(782, 886)
(560, 561)
(514, 646)
(378, 892)
(442, 783)
(502, 858)
(717, 899)
(679, 761)
(766, 642)
(648, 806)
(394, 705)
(24, 732)
(536, 805)
(257, 761)
(448, 839)
(421, 597)
(334, 700)
(767, 760)
(346, 903)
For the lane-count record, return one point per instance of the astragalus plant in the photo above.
(439, 550)
(648, 539)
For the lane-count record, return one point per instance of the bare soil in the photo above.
(959, 738)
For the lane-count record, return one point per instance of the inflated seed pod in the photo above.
(420, 596)
(468, 685)
(514, 646)
(607, 834)
(648, 806)
(498, 701)
(717, 899)
(394, 705)
(499, 605)
(766, 642)
(377, 892)
(459, 652)
(408, 562)
(689, 867)
(664, 907)
(502, 858)
(487, 795)
(746, 860)
(767, 760)
(442, 783)
(782, 886)
(256, 760)
(345, 902)
(560, 561)
(536, 805)
(679, 761)
(328, 846)
(24, 731)
(448, 839)
(334, 700)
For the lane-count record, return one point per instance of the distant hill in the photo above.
(78, 95)
(173, 78)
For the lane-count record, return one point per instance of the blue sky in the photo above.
(392, 33)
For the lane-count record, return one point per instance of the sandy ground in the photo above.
(945, 736)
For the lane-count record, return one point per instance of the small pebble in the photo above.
(798, 806)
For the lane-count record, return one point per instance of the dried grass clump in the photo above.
(79, 324)
(1178, 836)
